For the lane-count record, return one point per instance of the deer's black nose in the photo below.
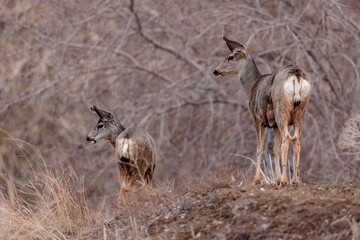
(88, 139)
(215, 72)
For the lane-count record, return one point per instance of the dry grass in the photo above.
(47, 205)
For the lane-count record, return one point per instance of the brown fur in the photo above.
(135, 149)
(276, 100)
(140, 161)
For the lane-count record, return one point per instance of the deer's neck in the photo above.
(116, 131)
(249, 74)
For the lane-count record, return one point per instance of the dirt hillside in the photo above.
(223, 211)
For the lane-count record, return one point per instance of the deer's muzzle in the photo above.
(91, 140)
(217, 72)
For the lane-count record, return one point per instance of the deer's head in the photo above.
(236, 61)
(105, 127)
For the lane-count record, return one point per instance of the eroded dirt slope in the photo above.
(307, 212)
(223, 211)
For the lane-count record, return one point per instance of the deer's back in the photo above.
(137, 134)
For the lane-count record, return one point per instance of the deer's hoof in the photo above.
(295, 182)
(124, 189)
(283, 183)
(256, 182)
(278, 182)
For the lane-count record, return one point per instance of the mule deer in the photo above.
(135, 149)
(276, 100)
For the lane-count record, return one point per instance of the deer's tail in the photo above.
(297, 87)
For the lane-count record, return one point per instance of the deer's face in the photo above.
(104, 127)
(101, 131)
(235, 62)
(232, 64)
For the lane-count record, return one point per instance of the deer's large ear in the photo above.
(92, 108)
(103, 115)
(233, 44)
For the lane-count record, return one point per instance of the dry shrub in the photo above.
(349, 140)
(47, 205)
(55, 208)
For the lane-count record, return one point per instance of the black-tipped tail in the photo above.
(297, 101)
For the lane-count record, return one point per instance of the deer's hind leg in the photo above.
(259, 148)
(297, 148)
(148, 176)
(122, 162)
(276, 150)
(285, 136)
(133, 177)
(123, 171)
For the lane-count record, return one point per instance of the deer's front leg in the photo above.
(259, 149)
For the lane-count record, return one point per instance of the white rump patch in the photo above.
(297, 89)
(305, 88)
(125, 152)
(289, 86)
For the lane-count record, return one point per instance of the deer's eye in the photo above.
(230, 58)
(100, 126)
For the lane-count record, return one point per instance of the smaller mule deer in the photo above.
(276, 100)
(135, 149)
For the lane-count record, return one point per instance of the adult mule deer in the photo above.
(135, 148)
(276, 100)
